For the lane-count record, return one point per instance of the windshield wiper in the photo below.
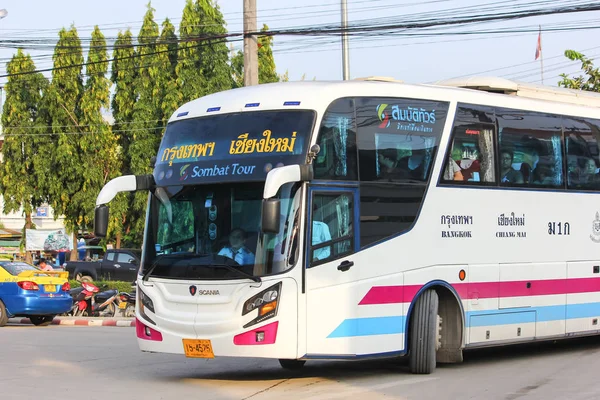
(155, 263)
(238, 271)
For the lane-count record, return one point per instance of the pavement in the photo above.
(81, 321)
(99, 363)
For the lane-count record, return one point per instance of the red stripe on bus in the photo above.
(384, 295)
(486, 290)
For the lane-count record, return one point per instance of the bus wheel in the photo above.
(424, 333)
(291, 364)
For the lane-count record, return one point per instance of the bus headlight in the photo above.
(266, 302)
(145, 302)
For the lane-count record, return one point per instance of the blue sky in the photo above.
(408, 59)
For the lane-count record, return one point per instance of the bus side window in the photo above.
(582, 137)
(471, 155)
(332, 231)
(530, 146)
(337, 139)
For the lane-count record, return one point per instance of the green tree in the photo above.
(146, 136)
(63, 100)
(267, 72)
(166, 95)
(189, 68)
(124, 75)
(98, 146)
(203, 64)
(19, 176)
(590, 81)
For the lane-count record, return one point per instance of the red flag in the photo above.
(538, 48)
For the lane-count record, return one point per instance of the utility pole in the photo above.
(345, 60)
(250, 44)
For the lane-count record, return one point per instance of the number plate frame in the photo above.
(198, 348)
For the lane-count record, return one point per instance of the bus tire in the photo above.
(424, 333)
(291, 364)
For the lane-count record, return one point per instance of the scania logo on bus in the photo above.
(203, 292)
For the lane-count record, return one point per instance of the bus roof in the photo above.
(317, 95)
(527, 90)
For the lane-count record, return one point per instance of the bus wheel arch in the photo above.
(446, 328)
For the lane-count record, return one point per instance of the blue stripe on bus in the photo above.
(543, 314)
(369, 326)
(505, 318)
(395, 324)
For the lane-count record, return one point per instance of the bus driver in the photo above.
(237, 249)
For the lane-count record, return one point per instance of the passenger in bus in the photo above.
(572, 168)
(237, 249)
(507, 172)
(453, 171)
(467, 158)
(543, 175)
(388, 163)
(587, 171)
(320, 234)
(413, 166)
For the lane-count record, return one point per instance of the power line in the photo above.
(360, 29)
(83, 126)
(8, 134)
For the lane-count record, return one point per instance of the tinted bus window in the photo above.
(475, 114)
(398, 138)
(471, 156)
(397, 142)
(530, 146)
(388, 209)
(337, 142)
(582, 137)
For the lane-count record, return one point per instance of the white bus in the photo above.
(370, 218)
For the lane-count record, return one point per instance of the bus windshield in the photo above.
(242, 146)
(212, 232)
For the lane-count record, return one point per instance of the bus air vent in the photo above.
(379, 79)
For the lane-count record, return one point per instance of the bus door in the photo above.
(330, 280)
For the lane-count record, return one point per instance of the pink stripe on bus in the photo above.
(384, 295)
(486, 290)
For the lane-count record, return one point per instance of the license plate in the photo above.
(122, 305)
(50, 288)
(198, 348)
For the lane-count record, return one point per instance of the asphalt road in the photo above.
(63, 362)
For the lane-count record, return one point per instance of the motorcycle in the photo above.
(127, 304)
(74, 293)
(89, 302)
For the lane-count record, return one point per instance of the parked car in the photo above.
(117, 265)
(26, 291)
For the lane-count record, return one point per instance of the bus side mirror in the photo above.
(270, 215)
(278, 177)
(101, 220)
